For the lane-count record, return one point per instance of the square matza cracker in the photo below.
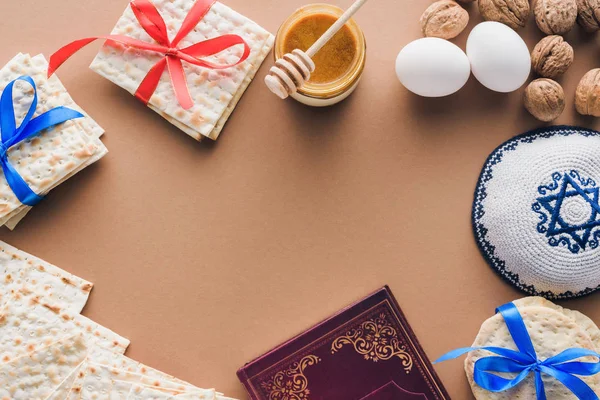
(214, 92)
(54, 155)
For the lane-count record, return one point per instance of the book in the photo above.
(367, 351)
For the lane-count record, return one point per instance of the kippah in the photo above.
(536, 212)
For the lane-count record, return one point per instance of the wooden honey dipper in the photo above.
(291, 71)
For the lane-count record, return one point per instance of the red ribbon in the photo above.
(153, 23)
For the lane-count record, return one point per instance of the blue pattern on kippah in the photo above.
(480, 231)
(548, 207)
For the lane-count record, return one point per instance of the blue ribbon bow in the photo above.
(12, 135)
(562, 367)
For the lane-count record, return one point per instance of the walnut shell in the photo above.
(552, 57)
(513, 13)
(444, 19)
(587, 95)
(555, 17)
(544, 99)
(589, 14)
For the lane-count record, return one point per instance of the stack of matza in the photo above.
(215, 93)
(54, 155)
(49, 351)
(552, 329)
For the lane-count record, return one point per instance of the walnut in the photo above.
(444, 19)
(513, 13)
(587, 95)
(552, 57)
(589, 14)
(555, 17)
(544, 99)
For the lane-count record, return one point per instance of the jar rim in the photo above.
(344, 82)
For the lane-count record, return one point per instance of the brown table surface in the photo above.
(206, 255)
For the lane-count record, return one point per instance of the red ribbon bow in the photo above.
(153, 23)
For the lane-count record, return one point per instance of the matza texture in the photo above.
(27, 323)
(214, 92)
(63, 390)
(35, 375)
(582, 320)
(22, 271)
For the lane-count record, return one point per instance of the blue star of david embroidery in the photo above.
(577, 237)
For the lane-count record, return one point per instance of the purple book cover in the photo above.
(367, 351)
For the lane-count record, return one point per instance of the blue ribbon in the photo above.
(562, 367)
(12, 135)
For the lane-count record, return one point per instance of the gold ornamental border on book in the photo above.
(362, 326)
(291, 384)
(376, 340)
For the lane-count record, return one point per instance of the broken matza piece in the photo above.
(98, 378)
(19, 270)
(28, 323)
(214, 92)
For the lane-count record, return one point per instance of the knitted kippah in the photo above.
(536, 213)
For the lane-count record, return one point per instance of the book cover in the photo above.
(366, 351)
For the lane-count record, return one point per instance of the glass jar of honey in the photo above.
(339, 64)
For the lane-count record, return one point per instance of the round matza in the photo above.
(536, 213)
(551, 332)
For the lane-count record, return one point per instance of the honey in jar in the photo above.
(338, 65)
(335, 58)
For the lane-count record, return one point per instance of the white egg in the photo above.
(499, 58)
(432, 67)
